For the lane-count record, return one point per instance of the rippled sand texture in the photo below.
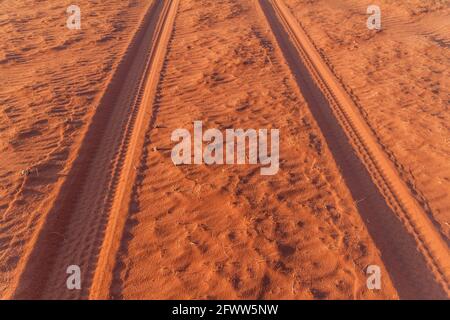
(87, 178)
(401, 78)
(52, 79)
(226, 232)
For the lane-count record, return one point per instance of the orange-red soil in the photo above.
(86, 175)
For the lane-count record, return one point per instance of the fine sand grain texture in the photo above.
(216, 232)
(400, 78)
(397, 223)
(52, 79)
(86, 170)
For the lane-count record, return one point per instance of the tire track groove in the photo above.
(76, 225)
(428, 240)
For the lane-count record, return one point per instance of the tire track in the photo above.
(226, 232)
(425, 275)
(76, 229)
(106, 262)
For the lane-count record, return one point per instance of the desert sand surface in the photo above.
(401, 79)
(214, 232)
(87, 176)
(52, 81)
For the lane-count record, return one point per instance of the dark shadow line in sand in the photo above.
(405, 264)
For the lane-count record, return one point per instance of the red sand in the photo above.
(86, 175)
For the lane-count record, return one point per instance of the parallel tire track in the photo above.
(80, 228)
(434, 249)
(104, 272)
